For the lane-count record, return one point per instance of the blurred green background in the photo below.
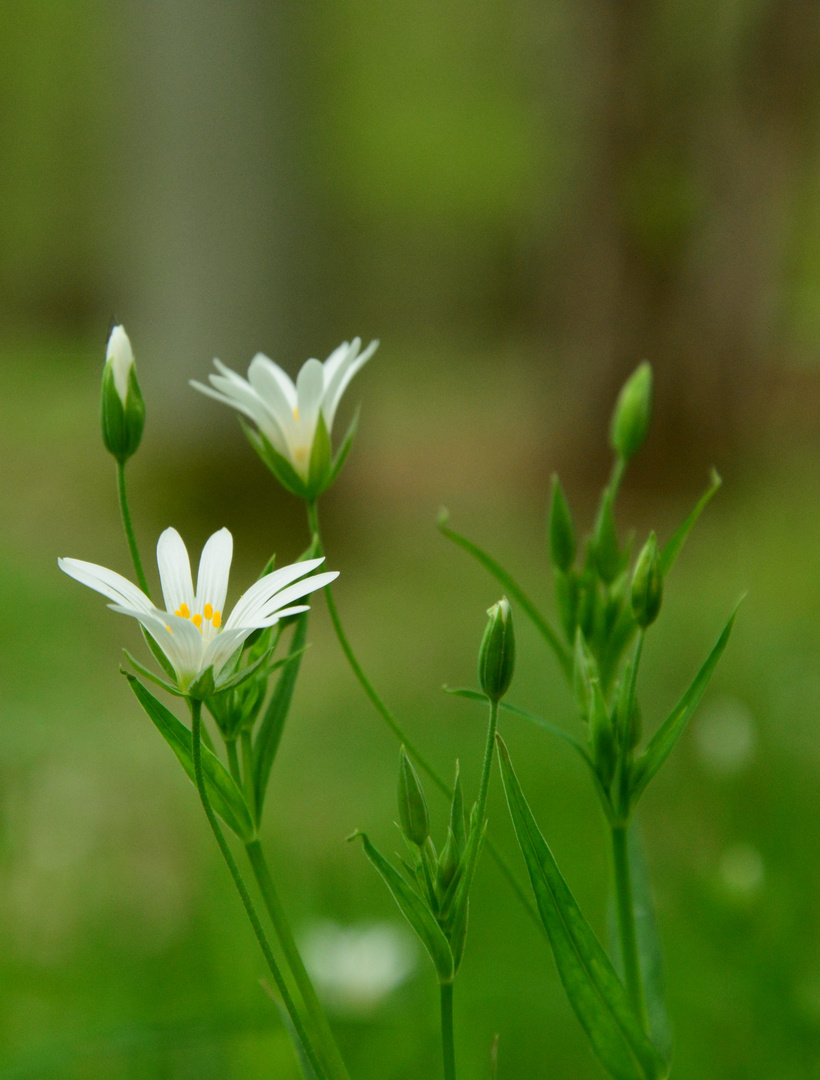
(522, 200)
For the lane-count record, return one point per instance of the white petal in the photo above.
(107, 582)
(223, 646)
(214, 570)
(119, 355)
(294, 592)
(333, 393)
(261, 592)
(337, 357)
(272, 620)
(178, 638)
(310, 388)
(174, 571)
(283, 381)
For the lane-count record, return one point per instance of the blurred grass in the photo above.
(123, 952)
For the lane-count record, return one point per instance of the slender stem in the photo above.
(447, 1042)
(241, 888)
(626, 923)
(233, 761)
(331, 1055)
(488, 761)
(618, 470)
(129, 528)
(401, 735)
(248, 771)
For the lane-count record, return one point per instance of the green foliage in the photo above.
(592, 986)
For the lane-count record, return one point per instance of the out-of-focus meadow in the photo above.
(522, 201)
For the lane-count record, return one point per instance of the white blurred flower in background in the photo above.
(357, 967)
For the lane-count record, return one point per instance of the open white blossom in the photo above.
(287, 414)
(356, 967)
(192, 631)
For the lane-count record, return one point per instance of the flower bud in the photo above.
(562, 532)
(496, 658)
(605, 542)
(413, 813)
(647, 584)
(630, 420)
(122, 412)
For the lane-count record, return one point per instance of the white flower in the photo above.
(287, 414)
(120, 358)
(358, 966)
(192, 631)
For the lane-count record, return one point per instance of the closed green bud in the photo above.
(413, 814)
(647, 584)
(605, 548)
(562, 531)
(630, 420)
(602, 737)
(496, 658)
(122, 411)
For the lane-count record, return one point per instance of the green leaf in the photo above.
(148, 674)
(592, 986)
(414, 910)
(513, 590)
(673, 546)
(650, 953)
(344, 450)
(307, 1069)
(225, 796)
(661, 743)
(267, 740)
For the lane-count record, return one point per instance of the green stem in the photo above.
(626, 923)
(248, 772)
(447, 1042)
(401, 735)
(330, 1051)
(241, 888)
(488, 761)
(129, 528)
(618, 470)
(233, 761)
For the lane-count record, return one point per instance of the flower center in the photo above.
(211, 616)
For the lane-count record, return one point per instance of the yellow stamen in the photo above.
(168, 628)
(296, 413)
(208, 611)
(184, 611)
(217, 619)
(197, 620)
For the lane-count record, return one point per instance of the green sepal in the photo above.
(413, 813)
(673, 545)
(276, 462)
(607, 554)
(343, 451)
(661, 744)
(561, 529)
(321, 454)
(512, 588)
(589, 979)
(414, 910)
(203, 686)
(647, 584)
(226, 798)
(146, 673)
(122, 425)
(566, 600)
(496, 656)
(602, 737)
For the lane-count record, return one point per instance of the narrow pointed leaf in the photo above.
(321, 454)
(661, 743)
(673, 546)
(226, 798)
(307, 1069)
(591, 983)
(267, 741)
(513, 590)
(414, 910)
(344, 450)
(650, 953)
(148, 674)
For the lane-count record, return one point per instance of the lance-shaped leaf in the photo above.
(226, 798)
(673, 546)
(661, 743)
(589, 979)
(414, 910)
(513, 589)
(343, 450)
(267, 741)
(650, 953)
